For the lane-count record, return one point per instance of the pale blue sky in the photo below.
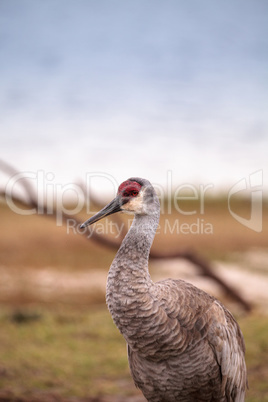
(135, 87)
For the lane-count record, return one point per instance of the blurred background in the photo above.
(94, 92)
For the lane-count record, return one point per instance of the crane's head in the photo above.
(134, 195)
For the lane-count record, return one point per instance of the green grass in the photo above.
(68, 352)
(62, 353)
(255, 330)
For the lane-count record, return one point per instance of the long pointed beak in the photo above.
(111, 208)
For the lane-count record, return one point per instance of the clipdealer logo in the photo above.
(253, 184)
(50, 195)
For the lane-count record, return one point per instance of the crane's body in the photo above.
(183, 344)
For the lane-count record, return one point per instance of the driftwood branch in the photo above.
(204, 267)
(207, 270)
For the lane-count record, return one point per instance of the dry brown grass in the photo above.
(36, 241)
(228, 234)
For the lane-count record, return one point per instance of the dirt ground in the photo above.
(246, 272)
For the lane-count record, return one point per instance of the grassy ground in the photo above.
(71, 350)
(64, 353)
(61, 353)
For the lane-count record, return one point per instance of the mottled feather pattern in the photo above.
(183, 344)
(176, 331)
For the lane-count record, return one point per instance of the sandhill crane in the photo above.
(183, 344)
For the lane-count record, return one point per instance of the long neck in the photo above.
(129, 280)
(136, 246)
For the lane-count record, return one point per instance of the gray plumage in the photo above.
(183, 344)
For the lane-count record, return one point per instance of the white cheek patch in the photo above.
(134, 204)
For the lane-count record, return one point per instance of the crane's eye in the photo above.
(130, 193)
